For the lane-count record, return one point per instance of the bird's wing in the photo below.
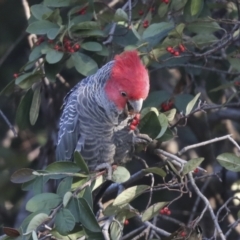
(69, 132)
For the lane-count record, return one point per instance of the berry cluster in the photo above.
(145, 23)
(68, 46)
(167, 106)
(39, 41)
(165, 1)
(165, 211)
(135, 121)
(176, 52)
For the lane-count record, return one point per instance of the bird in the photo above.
(98, 111)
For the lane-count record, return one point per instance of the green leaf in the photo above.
(150, 123)
(115, 231)
(88, 25)
(162, 9)
(36, 221)
(41, 27)
(204, 39)
(163, 123)
(80, 162)
(191, 165)
(53, 56)
(88, 196)
(38, 10)
(120, 15)
(120, 175)
(26, 80)
(91, 33)
(66, 198)
(64, 221)
(234, 62)
(43, 201)
(203, 27)
(27, 220)
(157, 28)
(84, 64)
(229, 161)
(87, 217)
(36, 52)
(129, 194)
(54, 17)
(57, 3)
(52, 33)
(196, 6)
(171, 114)
(176, 32)
(104, 52)
(178, 5)
(35, 106)
(156, 170)
(22, 116)
(192, 103)
(22, 175)
(155, 99)
(34, 235)
(152, 211)
(62, 167)
(92, 46)
(74, 209)
(64, 186)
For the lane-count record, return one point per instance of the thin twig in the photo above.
(203, 143)
(205, 200)
(134, 232)
(8, 123)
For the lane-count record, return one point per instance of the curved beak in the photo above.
(136, 105)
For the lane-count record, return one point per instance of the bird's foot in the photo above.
(106, 166)
(141, 138)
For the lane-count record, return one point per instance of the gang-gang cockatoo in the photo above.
(95, 119)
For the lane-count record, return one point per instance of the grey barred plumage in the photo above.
(94, 125)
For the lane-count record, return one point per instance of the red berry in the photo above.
(152, 9)
(76, 47)
(166, 209)
(71, 50)
(137, 116)
(168, 212)
(56, 47)
(169, 49)
(162, 211)
(126, 222)
(237, 83)
(145, 24)
(134, 122)
(165, 1)
(172, 51)
(183, 234)
(140, 12)
(15, 75)
(82, 11)
(196, 170)
(181, 48)
(50, 41)
(132, 127)
(176, 53)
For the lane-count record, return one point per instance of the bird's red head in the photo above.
(129, 80)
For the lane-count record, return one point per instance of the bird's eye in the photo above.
(123, 94)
